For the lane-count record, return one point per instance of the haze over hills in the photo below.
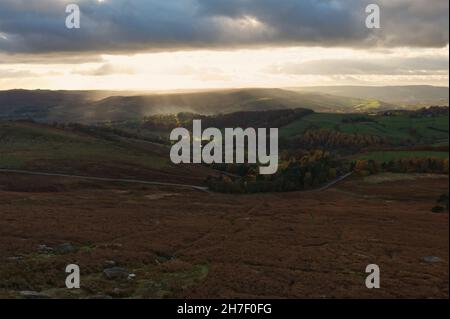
(412, 95)
(100, 106)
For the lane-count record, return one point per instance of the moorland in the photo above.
(86, 178)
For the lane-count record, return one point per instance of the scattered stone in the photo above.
(431, 259)
(116, 273)
(33, 295)
(65, 248)
(45, 249)
(131, 276)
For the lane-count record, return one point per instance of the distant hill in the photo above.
(229, 101)
(412, 95)
(100, 106)
(45, 105)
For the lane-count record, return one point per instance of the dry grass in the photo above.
(291, 245)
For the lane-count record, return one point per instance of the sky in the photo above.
(197, 44)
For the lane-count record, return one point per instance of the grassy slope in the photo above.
(32, 146)
(394, 128)
(320, 120)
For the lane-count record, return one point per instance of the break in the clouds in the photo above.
(193, 44)
(37, 26)
(424, 65)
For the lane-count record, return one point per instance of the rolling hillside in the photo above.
(408, 96)
(43, 148)
(394, 129)
(92, 106)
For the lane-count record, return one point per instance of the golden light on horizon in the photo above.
(197, 69)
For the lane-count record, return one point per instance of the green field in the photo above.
(316, 120)
(393, 128)
(386, 156)
(33, 146)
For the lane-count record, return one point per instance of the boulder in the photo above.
(116, 273)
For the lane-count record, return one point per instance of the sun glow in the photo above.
(261, 67)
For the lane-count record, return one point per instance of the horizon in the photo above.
(217, 89)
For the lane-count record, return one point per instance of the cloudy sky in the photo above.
(187, 44)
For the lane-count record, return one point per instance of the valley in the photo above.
(353, 188)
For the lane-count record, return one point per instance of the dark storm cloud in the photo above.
(53, 58)
(37, 26)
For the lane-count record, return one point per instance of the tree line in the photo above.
(412, 165)
(315, 168)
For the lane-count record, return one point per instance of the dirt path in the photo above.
(105, 179)
(332, 183)
(136, 181)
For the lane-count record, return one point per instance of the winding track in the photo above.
(105, 179)
(136, 181)
(333, 182)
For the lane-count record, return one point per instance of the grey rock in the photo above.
(116, 273)
(33, 295)
(431, 259)
(45, 249)
(65, 248)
